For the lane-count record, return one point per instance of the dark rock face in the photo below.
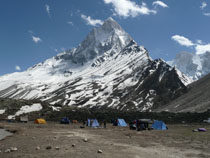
(195, 100)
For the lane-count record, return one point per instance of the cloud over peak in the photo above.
(201, 49)
(127, 8)
(199, 46)
(90, 21)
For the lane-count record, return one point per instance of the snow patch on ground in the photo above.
(2, 112)
(27, 109)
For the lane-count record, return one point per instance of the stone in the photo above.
(100, 151)
(73, 145)
(85, 140)
(7, 151)
(48, 147)
(38, 148)
(13, 149)
(57, 148)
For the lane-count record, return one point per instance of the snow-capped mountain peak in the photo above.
(108, 38)
(193, 65)
(107, 70)
(110, 24)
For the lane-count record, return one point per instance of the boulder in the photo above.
(37, 148)
(100, 151)
(85, 140)
(13, 149)
(57, 148)
(7, 151)
(49, 147)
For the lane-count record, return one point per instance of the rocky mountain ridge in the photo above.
(107, 70)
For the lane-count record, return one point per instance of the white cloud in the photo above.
(160, 3)
(199, 41)
(201, 49)
(17, 68)
(182, 40)
(36, 39)
(127, 8)
(47, 8)
(70, 23)
(203, 5)
(206, 14)
(199, 46)
(90, 21)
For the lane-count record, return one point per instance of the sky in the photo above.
(32, 31)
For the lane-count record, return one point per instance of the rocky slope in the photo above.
(197, 98)
(107, 70)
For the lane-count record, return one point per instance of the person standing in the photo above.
(104, 123)
(84, 122)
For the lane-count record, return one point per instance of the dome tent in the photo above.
(120, 122)
(159, 125)
(93, 123)
(40, 121)
(65, 120)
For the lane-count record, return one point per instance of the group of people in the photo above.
(139, 125)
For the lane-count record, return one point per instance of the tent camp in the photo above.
(40, 121)
(159, 125)
(65, 120)
(120, 122)
(93, 123)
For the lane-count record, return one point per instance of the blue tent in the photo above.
(159, 125)
(65, 120)
(93, 123)
(120, 122)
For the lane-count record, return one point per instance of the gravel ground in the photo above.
(67, 141)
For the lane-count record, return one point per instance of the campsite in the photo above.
(69, 140)
(105, 79)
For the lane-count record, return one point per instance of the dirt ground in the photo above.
(115, 142)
